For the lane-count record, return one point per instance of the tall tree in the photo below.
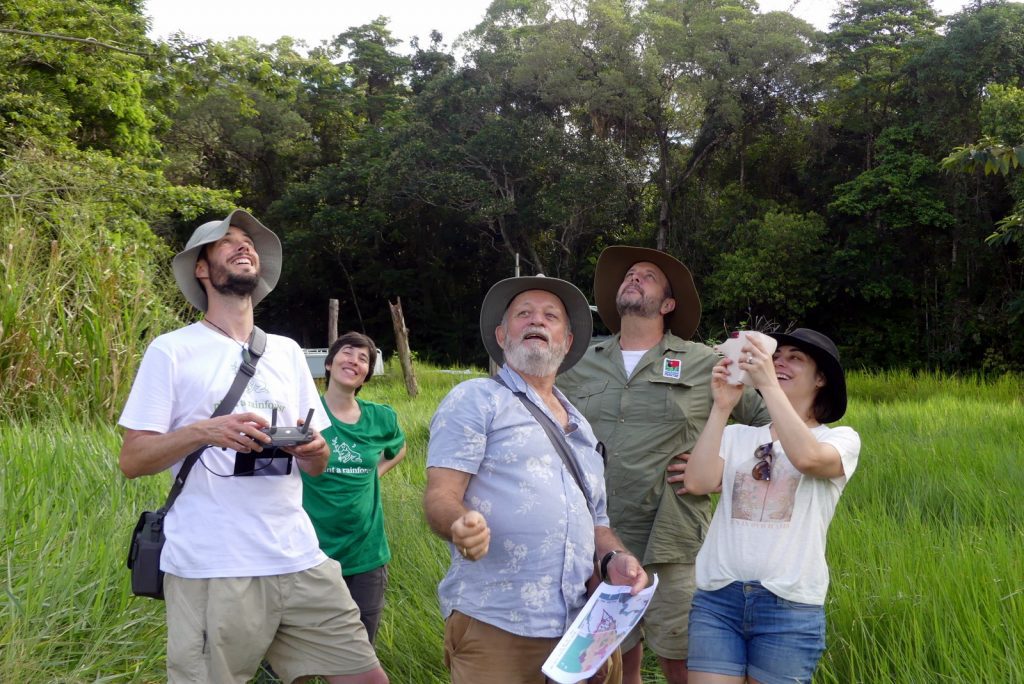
(241, 125)
(377, 76)
(676, 82)
(78, 71)
(870, 43)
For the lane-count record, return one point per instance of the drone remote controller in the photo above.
(281, 436)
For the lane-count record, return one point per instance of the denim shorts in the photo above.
(743, 629)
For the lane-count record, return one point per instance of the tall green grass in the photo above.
(84, 282)
(65, 615)
(926, 548)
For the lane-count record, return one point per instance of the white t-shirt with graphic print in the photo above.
(773, 531)
(220, 525)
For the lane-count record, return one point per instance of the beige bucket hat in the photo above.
(268, 247)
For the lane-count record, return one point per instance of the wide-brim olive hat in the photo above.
(611, 269)
(268, 248)
(503, 292)
(826, 356)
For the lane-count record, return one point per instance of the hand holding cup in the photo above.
(733, 349)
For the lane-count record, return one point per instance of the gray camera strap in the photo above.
(557, 437)
(251, 354)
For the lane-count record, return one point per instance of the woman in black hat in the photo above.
(758, 614)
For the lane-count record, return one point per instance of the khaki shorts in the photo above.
(305, 623)
(665, 625)
(476, 652)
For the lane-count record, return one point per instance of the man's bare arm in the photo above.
(144, 452)
(448, 516)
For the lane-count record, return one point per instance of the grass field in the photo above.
(926, 550)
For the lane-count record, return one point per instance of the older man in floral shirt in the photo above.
(524, 529)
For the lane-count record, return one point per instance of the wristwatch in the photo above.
(605, 560)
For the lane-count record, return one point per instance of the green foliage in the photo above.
(869, 48)
(988, 155)
(903, 527)
(377, 74)
(1002, 112)
(899, 193)
(999, 151)
(245, 123)
(561, 128)
(85, 279)
(775, 268)
(94, 94)
(66, 613)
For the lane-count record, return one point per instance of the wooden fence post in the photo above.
(402, 343)
(332, 321)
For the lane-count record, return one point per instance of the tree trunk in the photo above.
(665, 186)
(352, 290)
(402, 345)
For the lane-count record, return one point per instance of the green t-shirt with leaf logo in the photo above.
(344, 501)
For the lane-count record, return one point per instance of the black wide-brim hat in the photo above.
(826, 357)
(501, 294)
(611, 269)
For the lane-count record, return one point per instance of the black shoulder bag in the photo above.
(148, 538)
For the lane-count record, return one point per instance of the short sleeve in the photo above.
(150, 404)
(458, 430)
(847, 443)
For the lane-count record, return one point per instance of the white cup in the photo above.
(731, 349)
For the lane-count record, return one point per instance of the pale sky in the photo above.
(317, 20)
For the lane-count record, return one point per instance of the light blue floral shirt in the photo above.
(531, 582)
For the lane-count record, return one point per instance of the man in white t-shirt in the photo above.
(245, 576)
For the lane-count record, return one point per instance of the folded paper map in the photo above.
(600, 627)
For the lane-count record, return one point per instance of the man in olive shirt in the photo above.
(647, 393)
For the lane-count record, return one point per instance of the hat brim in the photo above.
(267, 245)
(835, 376)
(611, 269)
(503, 292)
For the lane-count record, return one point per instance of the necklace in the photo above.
(225, 333)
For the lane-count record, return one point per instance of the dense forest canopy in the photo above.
(863, 181)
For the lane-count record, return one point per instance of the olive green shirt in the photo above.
(643, 421)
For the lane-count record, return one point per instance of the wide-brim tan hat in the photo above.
(611, 269)
(268, 247)
(503, 292)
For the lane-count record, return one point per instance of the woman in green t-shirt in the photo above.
(344, 502)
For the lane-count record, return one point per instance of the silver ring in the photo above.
(750, 358)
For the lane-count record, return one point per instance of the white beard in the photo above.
(535, 361)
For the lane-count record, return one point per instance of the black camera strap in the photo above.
(251, 354)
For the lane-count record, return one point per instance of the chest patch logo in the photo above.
(672, 368)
